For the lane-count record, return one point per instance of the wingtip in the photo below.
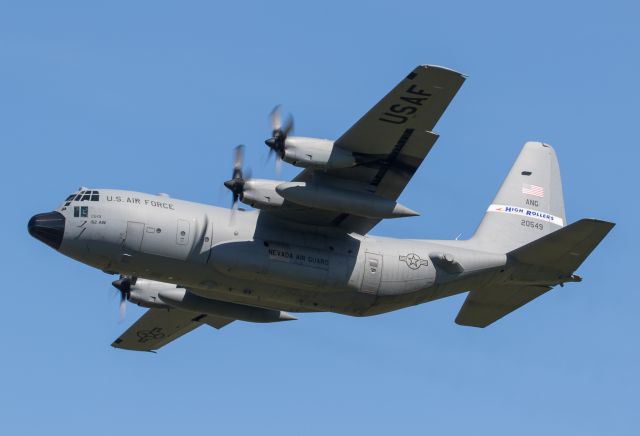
(611, 224)
(446, 69)
(464, 323)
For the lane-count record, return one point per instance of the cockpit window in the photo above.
(84, 196)
(68, 200)
(81, 196)
(80, 211)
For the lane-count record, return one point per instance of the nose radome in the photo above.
(48, 228)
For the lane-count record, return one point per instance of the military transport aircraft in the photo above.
(306, 247)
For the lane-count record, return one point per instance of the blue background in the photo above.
(152, 96)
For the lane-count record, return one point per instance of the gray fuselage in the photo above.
(252, 258)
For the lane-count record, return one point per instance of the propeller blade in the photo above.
(232, 214)
(276, 120)
(279, 133)
(122, 310)
(288, 128)
(278, 166)
(269, 155)
(123, 284)
(237, 181)
(238, 161)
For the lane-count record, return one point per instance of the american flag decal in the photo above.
(538, 191)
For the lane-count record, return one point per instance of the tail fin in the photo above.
(529, 204)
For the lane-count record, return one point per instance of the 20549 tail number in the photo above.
(532, 224)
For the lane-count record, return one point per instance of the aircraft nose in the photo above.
(48, 228)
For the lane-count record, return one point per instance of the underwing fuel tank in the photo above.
(342, 200)
(185, 300)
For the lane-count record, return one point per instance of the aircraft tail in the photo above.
(537, 267)
(529, 204)
(526, 221)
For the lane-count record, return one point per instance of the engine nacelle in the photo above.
(145, 293)
(185, 300)
(316, 153)
(336, 199)
(271, 194)
(261, 194)
(153, 294)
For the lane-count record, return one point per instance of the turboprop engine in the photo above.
(153, 294)
(315, 153)
(265, 194)
(258, 193)
(302, 151)
(261, 193)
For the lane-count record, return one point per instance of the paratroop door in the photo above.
(133, 239)
(372, 273)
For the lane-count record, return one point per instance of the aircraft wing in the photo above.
(390, 142)
(157, 327)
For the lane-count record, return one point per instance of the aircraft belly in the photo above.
(290, 299)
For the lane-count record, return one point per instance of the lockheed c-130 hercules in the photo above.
(306, 247)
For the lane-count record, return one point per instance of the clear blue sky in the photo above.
(152, 96)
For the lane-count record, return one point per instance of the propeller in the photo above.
(279, 134)
(237, 181)
(123, 284)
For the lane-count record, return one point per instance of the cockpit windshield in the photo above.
(83, 196)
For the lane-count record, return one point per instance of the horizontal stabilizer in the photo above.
(560, 252)
(565, 249)
(486, 306)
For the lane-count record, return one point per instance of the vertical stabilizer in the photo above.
(529, 204)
